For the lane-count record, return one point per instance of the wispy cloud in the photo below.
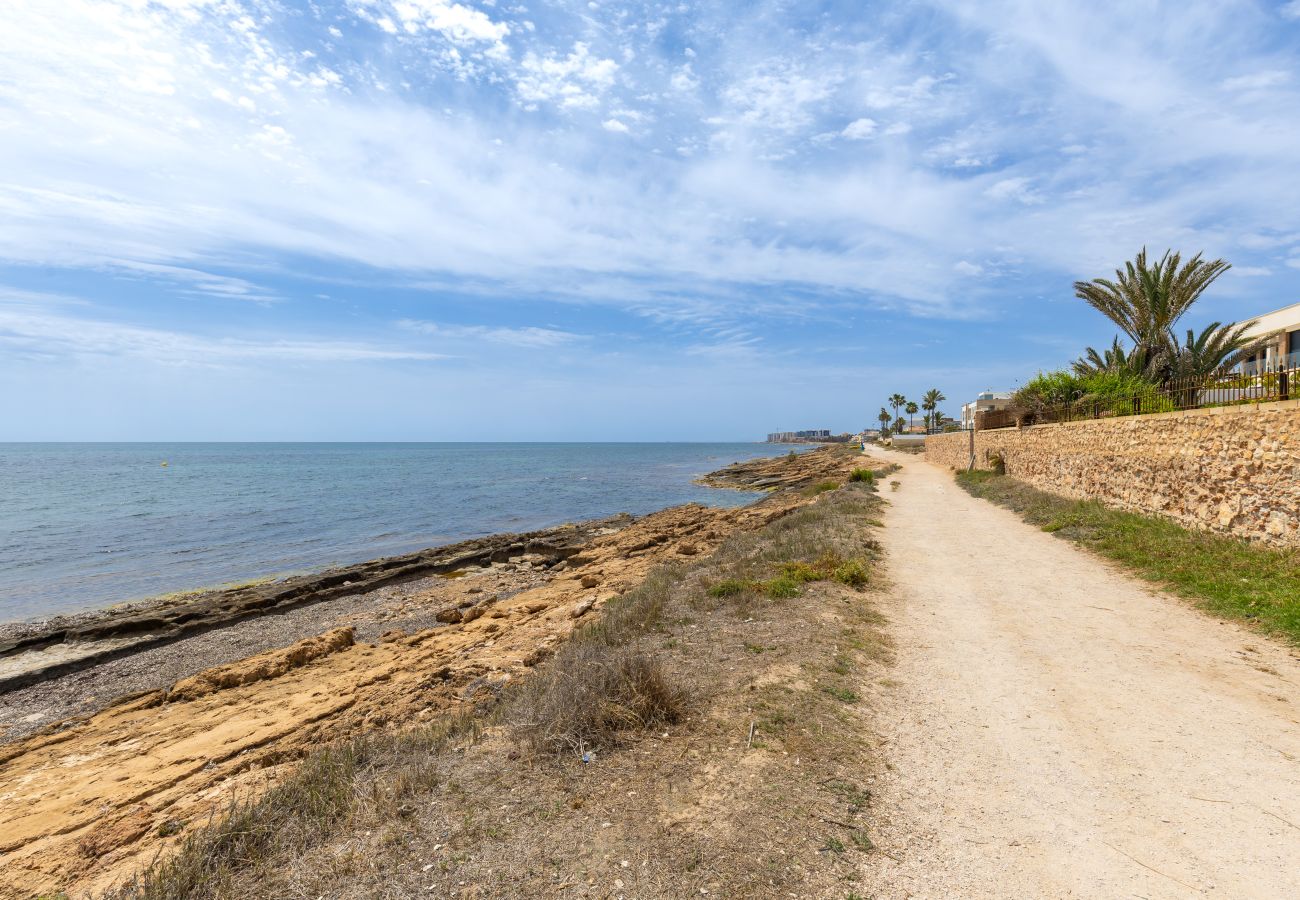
(528, 336)
(684, 168)
(41, 325)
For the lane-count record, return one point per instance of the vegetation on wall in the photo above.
(1145, 301)
(1148, 369)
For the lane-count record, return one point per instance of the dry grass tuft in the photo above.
(589, 693)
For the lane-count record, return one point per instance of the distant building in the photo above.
(1282, 327)
(985, 402)
(795, 437)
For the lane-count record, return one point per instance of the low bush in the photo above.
(732, 587)
(782, 587)
(1097, 394)
(853, 572)
(591, 691)
(865, 476)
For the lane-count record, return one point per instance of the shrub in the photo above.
(1115, 392)
(782, 587)
(822, 487)
(1046, 389)
(801, 572)
(1099, 393)
(853, 573)
(866, 476)
(731, 587)
(589, 692)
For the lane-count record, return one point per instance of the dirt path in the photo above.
(1061, 730)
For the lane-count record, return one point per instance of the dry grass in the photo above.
(590, 693)
(749, 784)
(334, 789)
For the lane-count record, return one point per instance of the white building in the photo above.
(1283, 351)
(988, 400)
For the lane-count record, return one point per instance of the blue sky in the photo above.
(437, 220)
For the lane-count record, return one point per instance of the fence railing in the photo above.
(1222, 389)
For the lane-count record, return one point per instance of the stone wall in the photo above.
(1234, 469)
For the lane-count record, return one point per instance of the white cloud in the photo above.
(780, 98)
(575, 81)
(913, 93)
(1257, 80)
(459, 24)
(1290, 10)
(516, 337)
(968, 269)
(859, 129)
(1012, 189)
(261, 154)
(615, 126)
(1252, 271)
(684, 80)
(197, 281)
(32, 329)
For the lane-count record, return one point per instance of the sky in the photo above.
(438, 220)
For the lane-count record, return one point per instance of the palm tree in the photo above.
(1113, 359)
(884, 418)
(1146, 301)
(930, 403)
(1218, 348)
(911, 411)
(897, 400)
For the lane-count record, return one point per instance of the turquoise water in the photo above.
(87, 525)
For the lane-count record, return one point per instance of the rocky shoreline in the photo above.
(212, 696)
(36, 651)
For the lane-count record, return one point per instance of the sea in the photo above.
(83, 526)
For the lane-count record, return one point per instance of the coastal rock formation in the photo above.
(31, 653)
(790, 471)
(121, 779)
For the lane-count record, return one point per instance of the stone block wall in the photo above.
(1234, 469)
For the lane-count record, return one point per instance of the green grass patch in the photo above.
(782, 587)
(791, 576)
(733, 587)
(866, 476)
(821, 487)
(839, 693)
(852, 572)
(1223, 575)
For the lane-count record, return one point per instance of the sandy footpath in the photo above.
(1063, 730)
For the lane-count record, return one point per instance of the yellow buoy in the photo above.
(164, 465)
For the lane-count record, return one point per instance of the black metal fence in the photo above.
(1223, 389)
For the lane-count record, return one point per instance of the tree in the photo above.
(1146, 301)
(911, 411)
(1211, 353)
(884, 418)
(897, 400)
(1115, 359)
(930, 403)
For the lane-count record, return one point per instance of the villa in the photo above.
(1283, 351)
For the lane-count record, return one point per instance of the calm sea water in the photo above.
(87, 525)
